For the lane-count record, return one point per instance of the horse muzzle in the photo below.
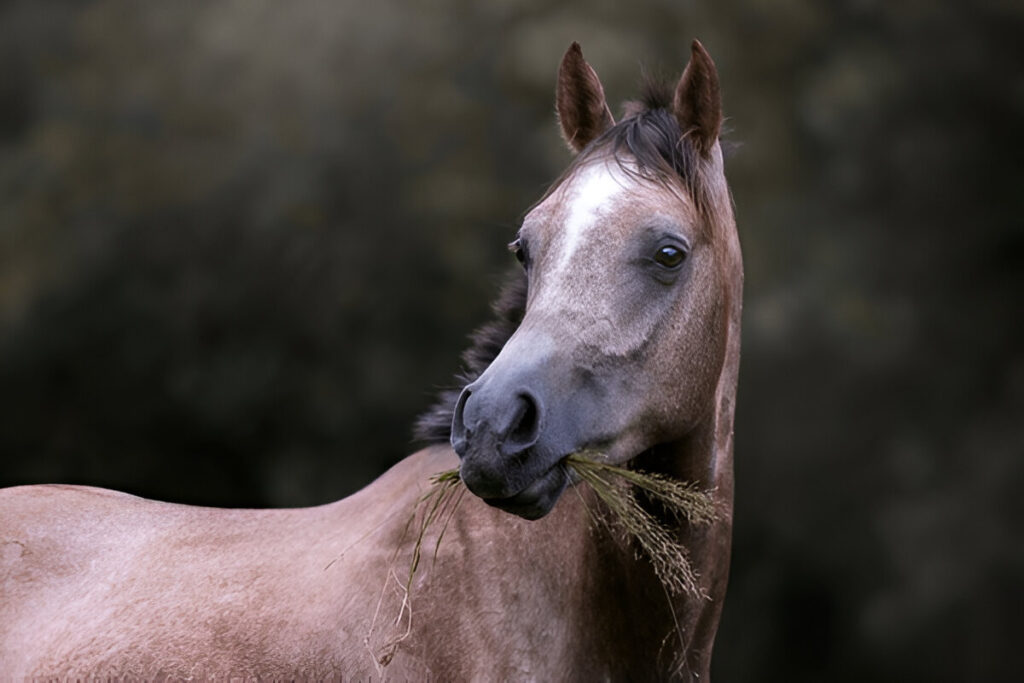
(505, 461)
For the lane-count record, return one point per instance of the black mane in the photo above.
(650, 135)
(435, 426)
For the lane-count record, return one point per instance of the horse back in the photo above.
(121, 586)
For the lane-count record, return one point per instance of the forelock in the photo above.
(649, 143)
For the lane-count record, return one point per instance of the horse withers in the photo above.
(619, 335)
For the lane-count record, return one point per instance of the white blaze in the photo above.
(590, 193)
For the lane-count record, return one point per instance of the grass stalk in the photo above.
(617, 488)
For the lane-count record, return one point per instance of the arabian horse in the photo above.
(620, 334)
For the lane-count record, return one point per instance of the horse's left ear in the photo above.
(697, 103)
(579, 98)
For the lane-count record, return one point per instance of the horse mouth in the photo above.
(537, 499)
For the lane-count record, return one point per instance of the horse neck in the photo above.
(704, 456)
(711, 448)
(673, 633)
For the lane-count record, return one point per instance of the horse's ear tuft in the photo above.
(579, 98)
(697, 104)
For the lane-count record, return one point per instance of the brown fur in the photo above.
(106, 585)
(98, 584)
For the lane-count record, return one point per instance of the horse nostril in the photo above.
(484, 428)
(525, 425)
(459, 436)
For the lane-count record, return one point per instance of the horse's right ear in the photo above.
(579, 98)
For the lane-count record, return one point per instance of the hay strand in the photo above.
(617, 488)
(440, 502)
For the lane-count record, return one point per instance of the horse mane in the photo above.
(648, 135)
(649, 144)
(435, 425)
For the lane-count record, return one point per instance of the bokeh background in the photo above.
(243, 242)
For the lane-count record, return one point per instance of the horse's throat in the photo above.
(690, 458)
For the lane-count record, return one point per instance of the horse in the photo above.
(619, 334)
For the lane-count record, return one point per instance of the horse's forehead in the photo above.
(586, 235)
(604, 199)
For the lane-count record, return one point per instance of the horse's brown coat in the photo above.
(95, 583)
(108, 585)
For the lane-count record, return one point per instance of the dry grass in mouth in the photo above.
(617, 488)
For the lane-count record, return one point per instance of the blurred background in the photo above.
(242, 243)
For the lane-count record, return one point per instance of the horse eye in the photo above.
(516, 248)
(669, 256)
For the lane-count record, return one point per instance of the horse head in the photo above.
(632, 269)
